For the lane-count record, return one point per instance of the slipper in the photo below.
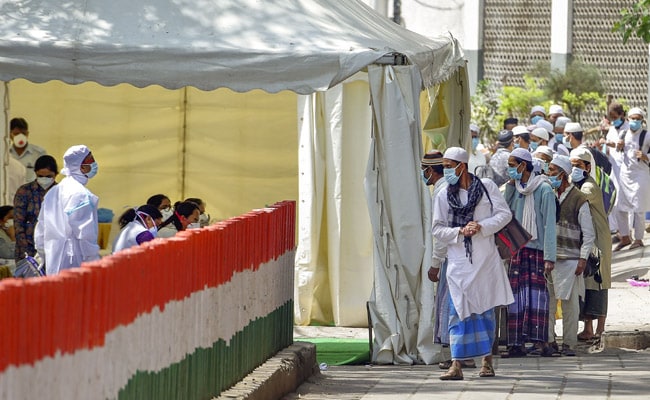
(622, 244)
(513, 352)
(463, 363)
(453, 374)
(567, 351)
(487, 371)
(584, 338)
(636, 244)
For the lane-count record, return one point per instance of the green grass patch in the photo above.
(340, 351)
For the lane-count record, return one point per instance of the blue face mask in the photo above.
(450, 175)
(513, 174)
(533, 145)
(578, 174)
(93, 170)
(536, 119)
(424, 177)
(635, 125)
(567, 143)
(545, 167)
(516, 145)
(474, 143)
(555, 181)
(618, 122)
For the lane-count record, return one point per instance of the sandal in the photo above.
(636, 244)
(585, 338)
(487, 370)
(513, 352)
(452, 374)
(622, 243)
(567, 351)
(463, 363)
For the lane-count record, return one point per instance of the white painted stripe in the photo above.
(157, 339)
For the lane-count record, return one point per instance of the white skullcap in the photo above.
(572, 127)
(73, 158)
(561, 122)
(555, 109)
(636, 110)
(530, 128)
(537, 165)
(538, 109)
(546, 125)
(473, 128)
(581, 153)
(544, 150)
(456, 154)
(518, 130)
(563, 162)
(540, 133)
(522, 154)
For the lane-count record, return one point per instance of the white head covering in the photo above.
(73, 158)
(572, 127)
(522, 154)
(561, 122)
(518, 130)
(538, 109)
(473, 128)
(555, 109)
(544, 150)
(636, 110)
(537, 165)
(562, 162)
(546, 125)
(581, 153)
(456, 154)
(540, 133)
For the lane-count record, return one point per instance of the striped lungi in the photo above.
(528, 315)
(441, 321)
(471, 337)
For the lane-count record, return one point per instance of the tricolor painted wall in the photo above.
(182, 318)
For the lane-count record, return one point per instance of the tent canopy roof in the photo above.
(299, 45)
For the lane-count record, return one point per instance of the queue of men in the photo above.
(574, 198)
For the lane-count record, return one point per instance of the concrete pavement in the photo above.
(598, 371)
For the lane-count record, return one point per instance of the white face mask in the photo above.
(45, 181)
(20, 140)
(194, 225)
(9, 223)
(204, 219)
(166, 213)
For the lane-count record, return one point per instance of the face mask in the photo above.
(567, 143)
(166, 213)
(474, 143)
(93, 170)
(424, 176)
(194, 225)
(154, 230)
(559, 137)
(533, 145)
(516, 145)
(555, 181)
(535, 119)
(635, 125)
(512, 173)
(204, 219)
(450, 175)
(20, 140)
(545, 167)
(45, 181)
(577, 174)
(9, 223)
(143, 217)
(618, 122)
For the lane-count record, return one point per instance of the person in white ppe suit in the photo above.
(66, 233)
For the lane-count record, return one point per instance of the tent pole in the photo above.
(4, 148)
(183, 143)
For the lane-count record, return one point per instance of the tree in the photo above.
(485, 110)
(635, 20)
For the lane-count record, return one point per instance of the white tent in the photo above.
(152, 138)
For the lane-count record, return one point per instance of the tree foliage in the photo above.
(635, 20)
(485, 110)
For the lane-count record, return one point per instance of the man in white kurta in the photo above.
(67, 228)
(575, 240)
(634, 180)
(475, 275)
(615, 125)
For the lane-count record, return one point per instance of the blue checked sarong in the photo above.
(471, 337)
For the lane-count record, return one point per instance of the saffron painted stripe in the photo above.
(159, 339)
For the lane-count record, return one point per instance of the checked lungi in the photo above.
(528, 315)
(471, 337)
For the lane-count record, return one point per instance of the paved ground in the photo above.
(597, 373)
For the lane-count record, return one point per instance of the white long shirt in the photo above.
(479, 286)
(634, 179)
(67, 226)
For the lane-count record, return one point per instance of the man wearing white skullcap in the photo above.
(575, 239)
(466, 215)
(538, 137)
(545, 155)
(532, 202)
(537, 113)
(596, 286)
(556, 142)
(555, 111)
(521, 136)
(634, 180)
(67, 228)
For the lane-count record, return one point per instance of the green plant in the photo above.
(485, 110)
(517, 101)
(635, 20)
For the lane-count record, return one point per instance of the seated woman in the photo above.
(137, 226)
(186, 216)
(204, 218)
(162, 203)
(7, 236)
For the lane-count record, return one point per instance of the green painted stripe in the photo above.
(208, 371)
